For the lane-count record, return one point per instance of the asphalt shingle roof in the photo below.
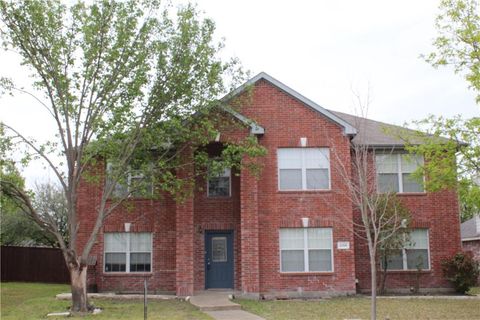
(380, 134)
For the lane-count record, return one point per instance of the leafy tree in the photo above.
(126, 82)
(456, 45)
(450, 163)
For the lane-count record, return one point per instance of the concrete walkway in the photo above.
(218, 305)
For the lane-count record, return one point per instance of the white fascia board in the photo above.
(254, 127)
(471, 239)
(348, 128)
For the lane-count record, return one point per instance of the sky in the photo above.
(325, 50)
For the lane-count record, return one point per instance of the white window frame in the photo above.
(305, 252)
(404, 255)
(131, 174)
(399, 172)
(229, 176)
(304, 170)
(127, 254)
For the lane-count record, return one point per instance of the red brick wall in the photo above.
(156, 216)
(285, 120)
(438, 212)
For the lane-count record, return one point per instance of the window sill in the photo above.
(315, 273)
(304, 191)
(127, 274)
(416, 194)
(408, 271)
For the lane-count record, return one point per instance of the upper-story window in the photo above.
(133, 183)
(303, 168)
(219, 185)
(394, 172)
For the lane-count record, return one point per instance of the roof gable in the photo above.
(347, 127)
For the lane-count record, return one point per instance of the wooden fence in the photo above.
(32, 264)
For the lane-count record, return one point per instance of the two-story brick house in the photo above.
(287, 233)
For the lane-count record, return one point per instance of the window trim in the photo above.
(127, 254)
(404, 256)
(131, 173)
(399, 173)
(304, 171)
(305, 252)
(229, 185)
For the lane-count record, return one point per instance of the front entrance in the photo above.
(218, 259)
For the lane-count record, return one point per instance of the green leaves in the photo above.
(451, 148)
(458, 40)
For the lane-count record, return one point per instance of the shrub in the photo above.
(462, 270)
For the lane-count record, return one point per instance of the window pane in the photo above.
(219, 249)
(289, 158)
(395, 260)
(140, 242)
(291, 238)
(411, 184)
(290, 179)
(317, 158)
(293, 260)
(386, 163)
(317, 179)
(417, 258)
(140, 262)
(410, 163)
(319, 260)
(115, 262)
(319, 238)
(418, 239)
(219, 187)
(387, 182)
(115, 242)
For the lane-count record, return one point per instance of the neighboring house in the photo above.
(251, 234)
(470, 232)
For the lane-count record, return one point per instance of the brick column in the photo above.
(250, 278)
(185, 239)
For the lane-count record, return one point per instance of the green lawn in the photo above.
(359, 308)
(34, 301)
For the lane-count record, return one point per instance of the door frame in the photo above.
(213, 232)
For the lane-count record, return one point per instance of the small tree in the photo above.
(377, 217)
(398, 240)
(122, 81)
(462, 270)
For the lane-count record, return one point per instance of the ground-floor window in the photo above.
(414, 255)
(306, 250)
(128, 252)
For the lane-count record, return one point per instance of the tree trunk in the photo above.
(78, 279)
(373, 273)
(384, 275)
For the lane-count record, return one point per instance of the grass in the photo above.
(36, 300)
(474, 291)
(359, 308)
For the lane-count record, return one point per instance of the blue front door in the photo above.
(218, 259)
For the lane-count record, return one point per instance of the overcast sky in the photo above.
(322, 49)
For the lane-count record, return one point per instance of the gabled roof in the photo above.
(470, 229)
(348, 128)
